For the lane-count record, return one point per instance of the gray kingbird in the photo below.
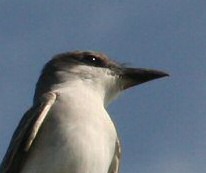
(68, 129)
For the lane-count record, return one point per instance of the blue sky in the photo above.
(161, 123)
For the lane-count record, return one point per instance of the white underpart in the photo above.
(78, 135)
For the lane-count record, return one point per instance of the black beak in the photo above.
(135, 76)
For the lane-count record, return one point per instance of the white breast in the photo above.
(77, 137)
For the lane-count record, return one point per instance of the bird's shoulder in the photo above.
(25, 134)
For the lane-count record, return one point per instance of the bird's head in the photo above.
(92, 71)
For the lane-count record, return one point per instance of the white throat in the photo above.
(95, 85)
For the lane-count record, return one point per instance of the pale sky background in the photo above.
(162, 124)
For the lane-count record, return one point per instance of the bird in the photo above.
(68, 128)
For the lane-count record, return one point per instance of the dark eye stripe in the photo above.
(93, 61)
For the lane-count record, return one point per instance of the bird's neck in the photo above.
(81, 94)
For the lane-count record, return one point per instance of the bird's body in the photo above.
(83, 140)
(68, 130)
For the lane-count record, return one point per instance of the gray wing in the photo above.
(114, 167)
(25, 134)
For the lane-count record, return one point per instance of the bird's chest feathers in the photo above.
(80, 132)
(81, 125)
(75, 134)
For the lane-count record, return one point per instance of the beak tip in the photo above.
(163, 74)
(137, 76)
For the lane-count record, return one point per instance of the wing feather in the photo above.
(114, 167)
(25, 134)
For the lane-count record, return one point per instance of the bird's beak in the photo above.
(135, 76)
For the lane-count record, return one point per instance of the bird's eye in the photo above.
(94, 61)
